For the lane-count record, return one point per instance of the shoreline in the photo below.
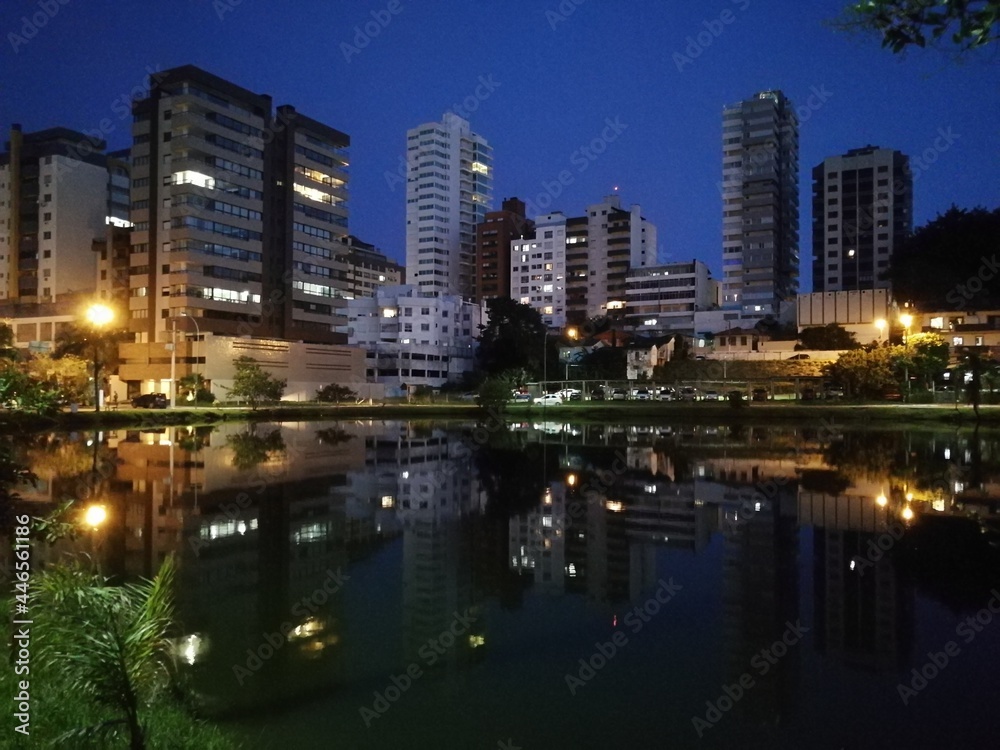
(633, 412)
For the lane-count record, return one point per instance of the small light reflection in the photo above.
(614, 506)
(882, 501)
(477, 640)
(907, 513)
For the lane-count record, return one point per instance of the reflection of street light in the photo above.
(881, 500)
(880, 325)
(98, 316)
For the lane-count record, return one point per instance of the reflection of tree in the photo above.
(867, 455)
(825, 481)
(333, 436)
(61, 458)
(195, 438)
(512, 472)
(250, 449)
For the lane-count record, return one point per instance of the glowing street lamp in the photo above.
(95, 515)
(99, 316)
(907, 320)
(880, 324)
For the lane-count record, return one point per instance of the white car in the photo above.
(549, 399)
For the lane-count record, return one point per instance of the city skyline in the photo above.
(568, 121)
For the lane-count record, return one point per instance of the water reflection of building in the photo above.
(863, 611)
(537, 541)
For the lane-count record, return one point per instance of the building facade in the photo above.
(538, 269)
(448, 193)
(862, 211)
(368, 269)
(855, 311)
(414, 338)
(760, 197)
(493, 248)
(666, 297)
(238, 214)
(58, 194)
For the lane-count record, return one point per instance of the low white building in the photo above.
(414, 338)
(855, 311)
(665, 298)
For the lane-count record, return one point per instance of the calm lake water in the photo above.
(545, 585)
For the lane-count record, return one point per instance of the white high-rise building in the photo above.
(538, 269)
(448, 192)
(760, 211)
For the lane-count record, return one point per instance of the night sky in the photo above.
(547, 84)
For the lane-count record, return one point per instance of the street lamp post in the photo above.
(173, 353)
(98, 316)
(906, 320)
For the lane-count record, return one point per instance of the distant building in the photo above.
(367, 269)
(448, 193)
(760, 211)
(58, 194)
(493, 242)
(862, 211)
(855, 311)
(538, 269)
(414, 338)
(665, 297)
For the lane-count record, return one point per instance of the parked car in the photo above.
(666, 393)
(711, 396)
(548, 399)
(619, 394)
(520, 396)
(150, 401)
(689, 393)
(570, 394)
(809, 394)
(799, 356)
(760, 394)
(641, 394)
(833, 391)
(597, 394)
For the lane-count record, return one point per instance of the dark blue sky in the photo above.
(554, 85)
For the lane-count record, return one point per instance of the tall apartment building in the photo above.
(493, 242)
(666, 297)
(538, 269)
(367, 269)
(239, 213)
(58, 194)
(862, 211)
(760, 197)
(448, 193)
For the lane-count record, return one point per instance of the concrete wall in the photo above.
(855, 311)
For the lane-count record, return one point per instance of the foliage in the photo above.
(109, 642)
(609, 362)
(494, 392)
(193, 388)
(21, 392)
(253, 385)
(513, 337)
(928, 355)
(967, 24)
(68, 375)
(959, 246)
(333, 436)
(86, 342)
(827, 338)
(7, 349)
(335, 393)
(250, 449)
(868, 373)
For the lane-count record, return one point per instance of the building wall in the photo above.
(493, 240)
(617, 241)
(414, 338)
(760, 203)
(448, 193)
(306, 367)
(856, 311)
(862, 210)
(538, 269)
(665, 298)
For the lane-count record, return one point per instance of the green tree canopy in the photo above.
(967, 24)
(253, 385)
(869, 373)
(950, 263)
(827, 338)
(928, 355)
(513, 337)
